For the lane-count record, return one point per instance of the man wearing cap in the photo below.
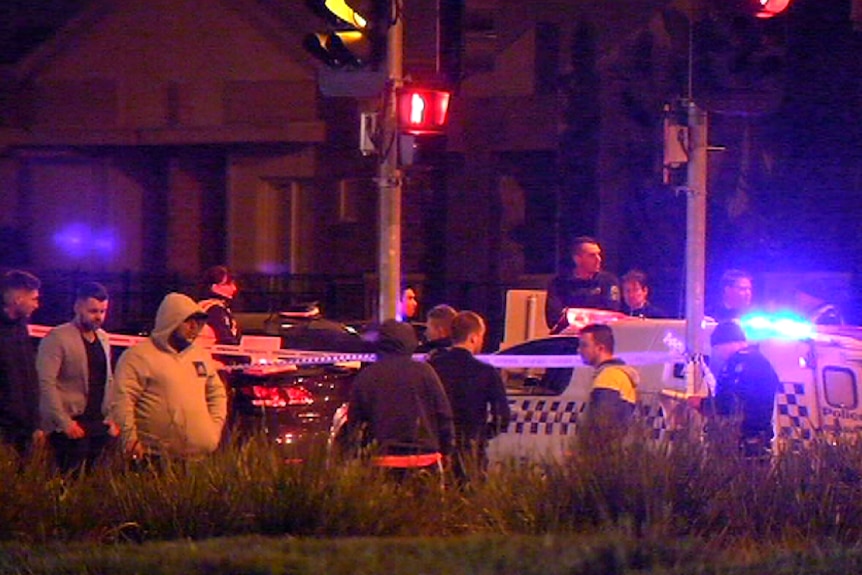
(169, 398)
(745, 387)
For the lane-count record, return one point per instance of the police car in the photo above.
(548, 386)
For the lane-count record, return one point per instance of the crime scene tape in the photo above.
(276, 358)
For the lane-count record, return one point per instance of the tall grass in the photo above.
(647, 489)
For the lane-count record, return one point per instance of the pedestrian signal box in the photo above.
(422, 110)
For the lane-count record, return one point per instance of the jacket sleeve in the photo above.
(445, 420)
(216, 396)
(129, 385)
(500, 412)
(553, 305)
(110, 386)
(49, 359)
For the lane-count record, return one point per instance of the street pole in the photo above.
(389, 177)
(695, 248)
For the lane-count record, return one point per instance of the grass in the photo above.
(646, 494)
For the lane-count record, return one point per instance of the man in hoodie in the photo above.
(76, 383)
(402, 404)
(169, 398)
(614, 390)
(19, 384)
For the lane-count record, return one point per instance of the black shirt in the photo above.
(476, 393)
(602, 291)
(747, 386)
(19, 383)
(97, 368)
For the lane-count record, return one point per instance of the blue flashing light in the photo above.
(783, 325)
(79, 241)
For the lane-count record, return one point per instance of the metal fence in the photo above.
(135, 296)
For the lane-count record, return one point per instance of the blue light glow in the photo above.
(784, 325)
(78, 241)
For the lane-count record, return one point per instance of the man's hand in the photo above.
(134, 449)
(113, 428)
(75, 431)
(39, 439)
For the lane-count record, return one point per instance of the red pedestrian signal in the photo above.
(422, 111)
(770, 8)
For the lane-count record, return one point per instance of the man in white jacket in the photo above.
(76, 384)
(169, 398)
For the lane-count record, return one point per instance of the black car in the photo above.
(294, 403)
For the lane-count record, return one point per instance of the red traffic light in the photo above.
(422, 111)
(770, 8)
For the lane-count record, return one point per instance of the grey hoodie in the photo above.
(173, 402)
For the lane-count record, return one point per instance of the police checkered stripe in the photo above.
(556, 417)
(544, 416)
(793, 414)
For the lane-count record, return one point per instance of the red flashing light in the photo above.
(770, 8)
(423, 111)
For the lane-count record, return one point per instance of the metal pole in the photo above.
(695, 249)
(389, 176)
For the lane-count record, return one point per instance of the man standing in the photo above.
(402, 404)
(438, 329)
(585, 286)
(614, 390)
(220, 288)
(169, 398)
(745, 387)
(475, 391)
(736, 294)
(76, 383)
(19, 384)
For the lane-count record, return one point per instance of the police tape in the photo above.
(275, 358)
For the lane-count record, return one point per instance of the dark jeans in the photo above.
(72, 454)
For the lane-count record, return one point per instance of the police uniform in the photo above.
(602, 291)
(747, 386)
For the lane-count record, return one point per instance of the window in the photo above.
(839, 385)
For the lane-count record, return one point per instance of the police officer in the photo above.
(584, 286)
(746, 385)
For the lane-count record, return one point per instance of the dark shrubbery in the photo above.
(642, 488)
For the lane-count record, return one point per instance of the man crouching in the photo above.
(169, 398)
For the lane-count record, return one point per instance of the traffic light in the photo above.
(355, 35)
(422, 110)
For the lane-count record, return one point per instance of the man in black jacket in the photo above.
(19, 383)
(401, 403)
(475, 391)
(586, 285)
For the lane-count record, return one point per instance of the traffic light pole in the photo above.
(389, 178)
(695, 247)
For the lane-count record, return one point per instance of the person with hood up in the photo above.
(169, 398)
(401, 403)
(614, 391)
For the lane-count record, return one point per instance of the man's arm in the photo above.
(443, 412)
(49, 360)
(500, 412)
(216, 396)
(554, 304)
(129, 382)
